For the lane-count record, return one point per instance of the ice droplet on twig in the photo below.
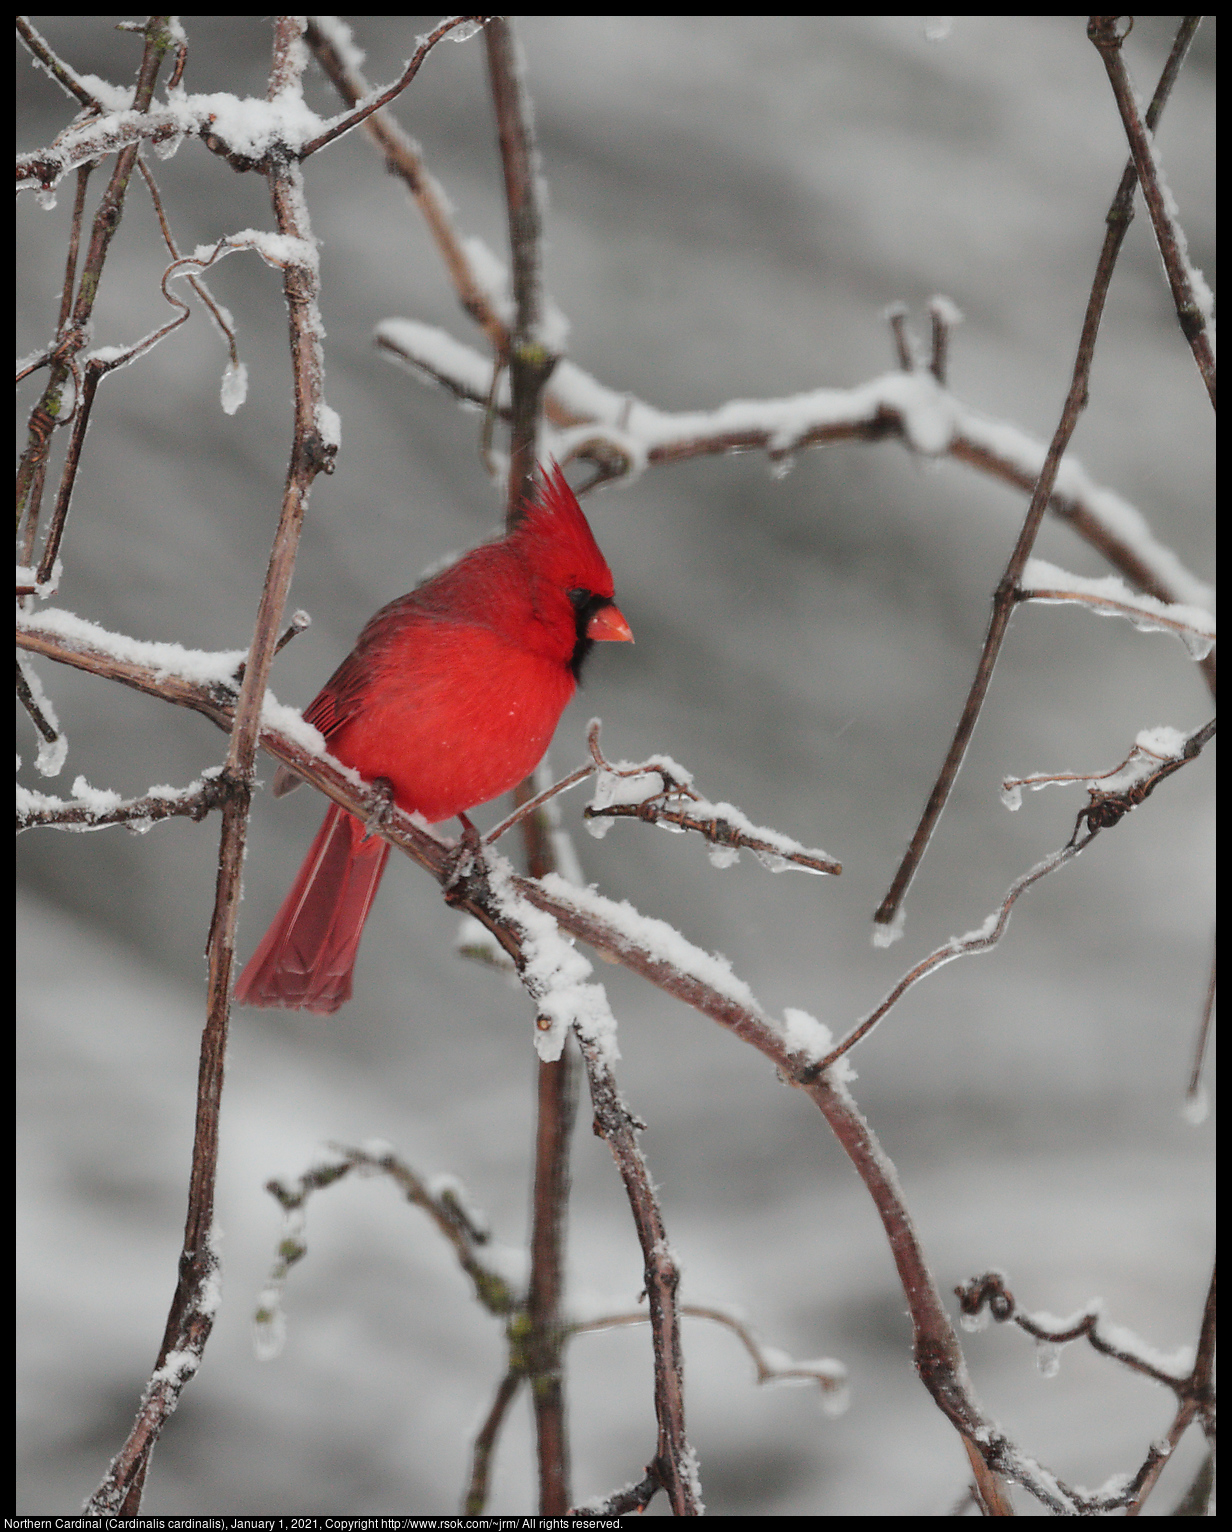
(1047, 1358)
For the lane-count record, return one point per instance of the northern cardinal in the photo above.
(451, 695)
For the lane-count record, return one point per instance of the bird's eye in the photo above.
(578, 598)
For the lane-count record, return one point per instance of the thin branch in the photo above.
(476, 1497)
(74, 245)
(991, 1291)
(48, 412)
(353, 119)
(1192, 1388)
(533, 805)
(55, 66)
(530, 364)
(630, 1501)
(193, 802)
(722, 824)
(403, 158)
(982, 940)
(1104, 810)
(673, 1464)
(531, 356)
(444, 1206)
(44, 725)
(1192, 297)
(1003, 599)
(199, 287)
(1045, 583)
(1204, 1032)
(771, 1365)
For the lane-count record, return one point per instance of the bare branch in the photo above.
(1194, 303)
(476, 1497)
(55, 66)
(673, 1464)
(532, 354)
(1193, 1096)
(772, 1365)
(353, 119)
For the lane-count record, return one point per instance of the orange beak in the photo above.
(609, 623)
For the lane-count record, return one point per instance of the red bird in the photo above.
(452, 695)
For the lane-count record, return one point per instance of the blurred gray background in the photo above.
(734, 202)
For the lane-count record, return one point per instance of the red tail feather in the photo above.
(306, 958)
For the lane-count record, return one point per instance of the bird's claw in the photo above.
(381, 807)
(465, 862)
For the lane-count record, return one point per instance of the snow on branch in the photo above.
(623, 435)
(1111, 597)
(658, 791)
(444, 1200)
(1053, 1334)
(96, 808)
(1156, 754)
(246, 131)
(201, 667)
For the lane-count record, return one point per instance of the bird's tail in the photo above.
(306, 958)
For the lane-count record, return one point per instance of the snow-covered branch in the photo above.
(1110, 597)
(623, 436)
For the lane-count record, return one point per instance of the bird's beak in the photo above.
(609, 623)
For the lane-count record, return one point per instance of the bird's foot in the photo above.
(381, 808)
(466, 863)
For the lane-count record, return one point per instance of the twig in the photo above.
(476, 1497)
(1197, 625)
(38, 717)
(722, 824)
(198, 286)
(771, 1367)
(531, 357)
(991, 1291)
(533, 805)
(443, 1205)
(403, 158)
(193, 802)
(353, 119)
(982, 940)
(673, 1465)
(944, 316)
(1107, 809)
(74, 245)
(1204, 1032)
(1103, 811)
(55, 66)
(48, 412)
(530, 364)
(96, 369)
(1194, 303)
(1193, 1388)
(1003, 599)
